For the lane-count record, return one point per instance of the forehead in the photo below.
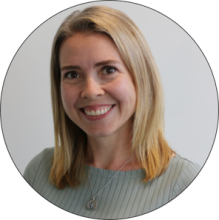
(82, 47)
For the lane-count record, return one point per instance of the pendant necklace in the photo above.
(92, 204)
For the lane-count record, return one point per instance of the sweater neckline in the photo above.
(121, 174)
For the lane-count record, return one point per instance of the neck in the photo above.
(104, 153)
(111, 152)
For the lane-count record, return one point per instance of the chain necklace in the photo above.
(92, 204)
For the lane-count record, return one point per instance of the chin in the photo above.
(99, 133)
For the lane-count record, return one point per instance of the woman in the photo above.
(111, 159)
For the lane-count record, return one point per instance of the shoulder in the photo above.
(43, 160)
(184, 172)
(181, 165)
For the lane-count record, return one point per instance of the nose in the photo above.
(91, 89)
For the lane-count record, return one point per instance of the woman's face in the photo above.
(97, 90)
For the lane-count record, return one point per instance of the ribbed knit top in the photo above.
(125, 196)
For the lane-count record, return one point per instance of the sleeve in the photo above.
(185, 178)
(32, 168)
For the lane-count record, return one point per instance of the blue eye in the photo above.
(109, 70)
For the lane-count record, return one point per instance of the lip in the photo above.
(94, 108)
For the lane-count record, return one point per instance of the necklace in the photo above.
(92, 204)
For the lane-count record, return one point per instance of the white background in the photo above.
(189, 89)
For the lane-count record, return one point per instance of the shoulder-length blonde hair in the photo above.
(148, 141)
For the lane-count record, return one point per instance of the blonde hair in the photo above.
(148, 141)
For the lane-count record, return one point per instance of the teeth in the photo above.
(102, 111)
(98, 112)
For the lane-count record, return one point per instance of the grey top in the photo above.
(125, 196)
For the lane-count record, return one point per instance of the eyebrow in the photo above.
(102, 63)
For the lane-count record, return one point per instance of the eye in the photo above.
(109, 70)
(71, 75)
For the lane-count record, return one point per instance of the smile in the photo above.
(97, 112)
(100, 111)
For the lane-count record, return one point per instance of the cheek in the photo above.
(68, 96)
(124, 92)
